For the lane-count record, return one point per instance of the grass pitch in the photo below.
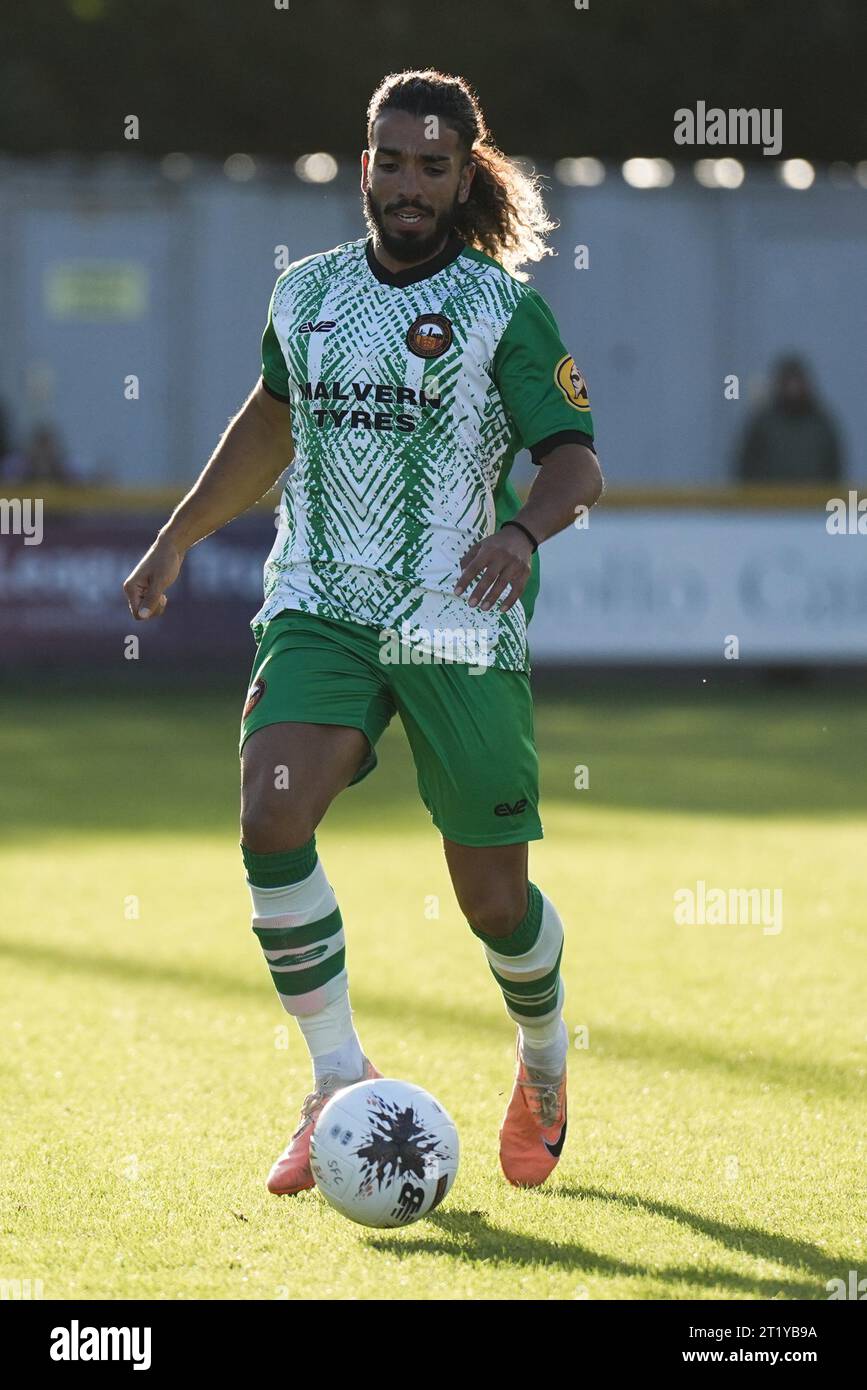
(716, 1130)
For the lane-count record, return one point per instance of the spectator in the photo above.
(792, 439)
(10, 461)
(45, 460)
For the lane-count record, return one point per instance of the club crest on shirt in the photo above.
(430, 335)
(254, 695)
(572, 383)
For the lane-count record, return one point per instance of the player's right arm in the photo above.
(248, 460)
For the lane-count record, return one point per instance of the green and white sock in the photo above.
(300, 930)
(526, 966)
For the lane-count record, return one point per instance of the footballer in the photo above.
(401, 374)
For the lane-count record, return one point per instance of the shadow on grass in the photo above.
(140, 762)
(208, 985)
(681, 1052)
(675, 1052)
(467, 1235)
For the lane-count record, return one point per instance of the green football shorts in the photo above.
(471, 736)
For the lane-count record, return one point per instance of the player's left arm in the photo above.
(570, 478)
(546, 397)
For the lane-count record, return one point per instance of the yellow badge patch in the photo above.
(572, 383)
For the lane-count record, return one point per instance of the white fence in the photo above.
(107, 273)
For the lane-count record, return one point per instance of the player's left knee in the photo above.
(493, 914)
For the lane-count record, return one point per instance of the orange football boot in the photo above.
(291, 1172)
(533, 1131)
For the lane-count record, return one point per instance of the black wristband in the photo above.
(530, 537)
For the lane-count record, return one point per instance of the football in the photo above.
(384, 1152)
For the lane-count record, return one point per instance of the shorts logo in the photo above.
(572, 383)
(254, 695)
(504, 809)
(430, 335)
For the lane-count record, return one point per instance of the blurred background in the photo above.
(158, 161)
(697, 651)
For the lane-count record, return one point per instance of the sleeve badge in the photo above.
(571, 383)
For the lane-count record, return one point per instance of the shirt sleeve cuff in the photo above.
(278, 396)
(551, 441)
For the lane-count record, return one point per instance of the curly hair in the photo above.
(504, 215)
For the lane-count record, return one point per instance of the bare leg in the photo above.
(491, 886)
(490, 883)
(280, 809)
(291, 772)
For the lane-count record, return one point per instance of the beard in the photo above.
(408, 246)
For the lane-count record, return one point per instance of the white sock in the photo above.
(544, 1041)
(347, 1062)
(324, 1014)
(545, 1048)
(333, 1042)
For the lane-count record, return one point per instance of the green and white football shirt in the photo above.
(410, 395)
